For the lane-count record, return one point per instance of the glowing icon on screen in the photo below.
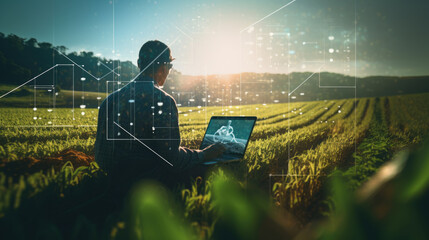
(225, 134)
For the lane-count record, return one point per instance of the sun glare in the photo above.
(222, 54)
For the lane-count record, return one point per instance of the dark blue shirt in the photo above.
(138, 132)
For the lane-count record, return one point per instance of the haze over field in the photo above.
(389, 37)
(88, 82)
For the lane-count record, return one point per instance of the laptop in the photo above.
(233, 132)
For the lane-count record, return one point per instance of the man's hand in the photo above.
(213, 151)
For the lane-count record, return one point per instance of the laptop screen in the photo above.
(233, 132)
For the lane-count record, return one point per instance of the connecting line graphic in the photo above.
(111, 70)
(85, 69)
(59, 65)
(109, 73)
(77, 64)
(180, 30)
(244, 29)
(97, 78)
(138, 140)
(303, 82)
(192, 41)
(4, 95)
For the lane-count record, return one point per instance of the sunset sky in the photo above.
(359, 37)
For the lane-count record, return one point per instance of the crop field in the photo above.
(293, 150)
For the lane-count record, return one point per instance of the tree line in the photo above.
(22, 59)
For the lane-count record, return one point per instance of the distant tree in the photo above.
(11, 72)
(45, 45)
(61, 49)
(22, 58)
(86, 54)
(16, 42)
(32, 42)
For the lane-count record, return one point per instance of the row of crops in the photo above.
(293, 147)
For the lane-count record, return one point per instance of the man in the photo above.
(138, 129)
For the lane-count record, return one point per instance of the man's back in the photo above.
(138, 127)
(146, 113)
